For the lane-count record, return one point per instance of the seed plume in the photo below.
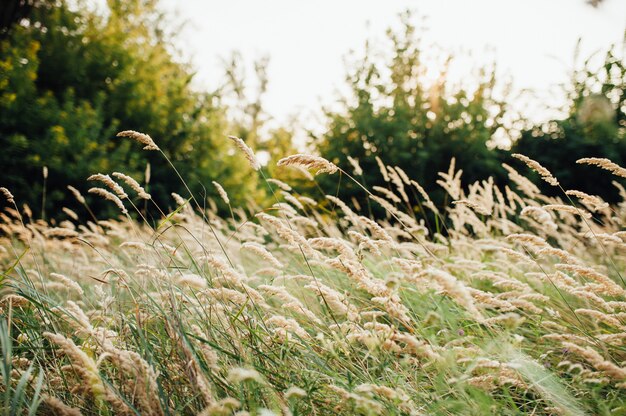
(8, 195)
(142, 138)
(309, 162)
(109, 196)
(221, 192)
(110, 183)
(604, 163)
(247, 152)
(536, 166)
(133, 184)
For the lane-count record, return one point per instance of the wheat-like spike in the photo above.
(8, 195)
(71, 284)
(309, 162)
(388, 194)
(87, 369)
(60, 232)
(473, 205)
(142, 138)
(383, 169)
(221, 192)
(79, 197)
(605, 283)
(133, 184)
(58, 407)
(397, 181)
(604, 163)
(109, 196)
(355, 166)
(594, 358)
(594, 202)
(282, 185)
(405, 178)
(262, 252)
(567, 208)
(114, 186)
(247, 152)
(292, 200)
(284, 326)
(70, 213)
(537, 167)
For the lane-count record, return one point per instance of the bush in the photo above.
(72, 77)
(396, 114)
(594, 127)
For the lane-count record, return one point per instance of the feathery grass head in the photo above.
(238, 375)
(382, 168)
(8, 195)
(604, 163)
(222, 193)
(355, 166)
(133, 184)
(309, 162)
(79, 197)
(142, 138)
(109, 196)
(537, 167)
(110, 183)
(247, 152)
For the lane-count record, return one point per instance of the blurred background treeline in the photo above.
(72, 76)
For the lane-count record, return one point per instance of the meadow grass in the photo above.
(509, 302)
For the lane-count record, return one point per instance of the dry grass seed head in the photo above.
(536, 166)
(247, 152)
(604, 163)
(109, 196)
(8, 195)
(221, 192)
(309, 162)
(133, 184)
(141, 138)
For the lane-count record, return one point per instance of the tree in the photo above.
(396, 114)
(71, 78)
(595, 126)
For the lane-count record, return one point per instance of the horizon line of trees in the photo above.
(71, 78)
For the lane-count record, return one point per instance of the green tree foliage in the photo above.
(594, 127)
(396, 114)
(71, 77)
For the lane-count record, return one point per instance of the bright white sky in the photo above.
(532, 41)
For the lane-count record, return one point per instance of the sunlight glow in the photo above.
(533, 42)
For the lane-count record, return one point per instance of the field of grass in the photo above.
(504, 302)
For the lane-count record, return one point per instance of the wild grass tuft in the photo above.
(513, 304)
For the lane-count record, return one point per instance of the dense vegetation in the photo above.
(595, 126)
(302, 309)
(73, 76)
(414, 269)
(397, 114)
